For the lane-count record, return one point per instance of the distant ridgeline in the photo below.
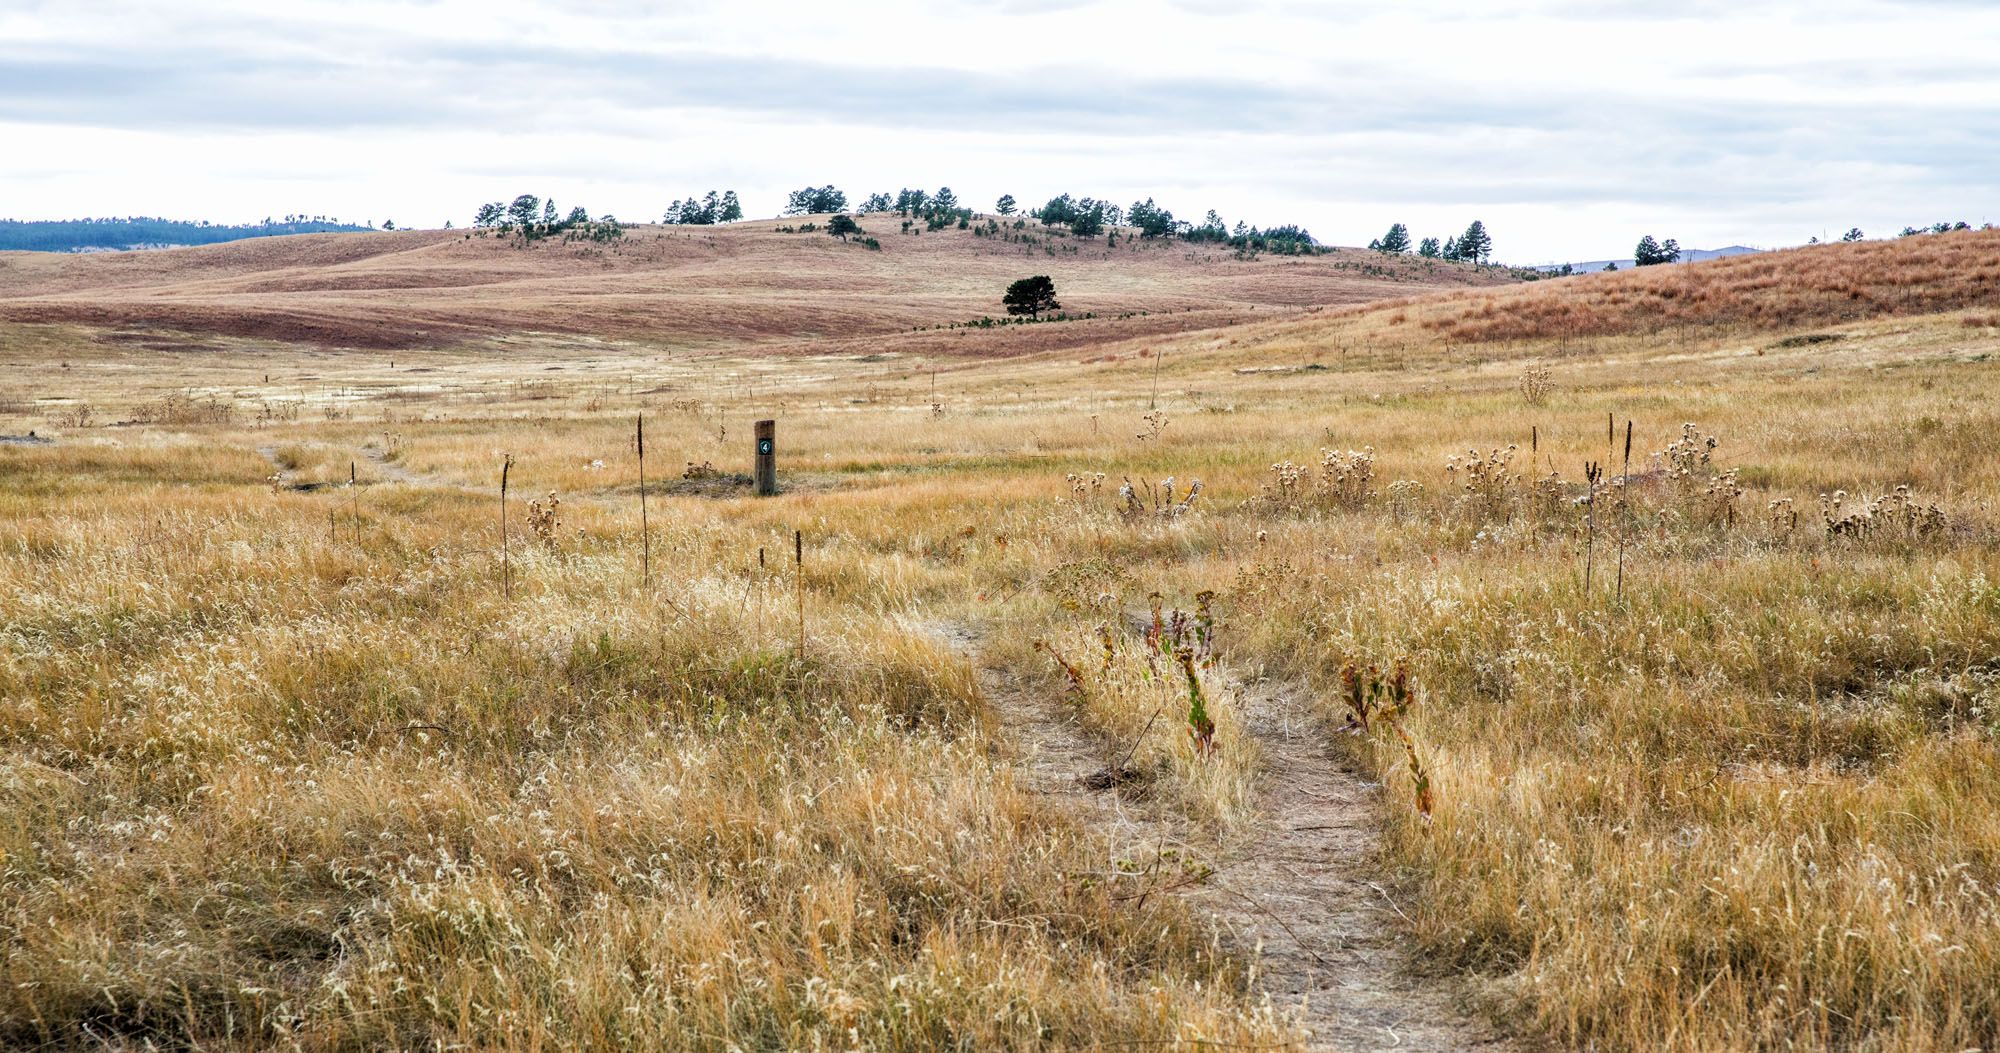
(144, 232)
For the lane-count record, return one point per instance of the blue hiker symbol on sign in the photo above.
(764, 447)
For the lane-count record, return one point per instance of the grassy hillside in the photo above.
(688, 287)
(1816, 285)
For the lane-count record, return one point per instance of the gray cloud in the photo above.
(1296, 113)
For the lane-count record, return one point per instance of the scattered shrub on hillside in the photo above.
(530, 219)
(179, 408)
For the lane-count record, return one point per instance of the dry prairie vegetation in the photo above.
(1765, 292)
(281, 766)
(681, 287)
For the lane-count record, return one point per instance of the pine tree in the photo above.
(1651, 253)
(1475, 244)
(1397, 240)
(1428, 248)
(1005, 206)
(1031, 296)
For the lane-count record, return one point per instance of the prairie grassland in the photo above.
(284, 766)
(673, 289)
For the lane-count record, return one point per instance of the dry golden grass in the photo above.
(677, 288)
(264, 783)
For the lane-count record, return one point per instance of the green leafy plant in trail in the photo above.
(1201, 728)
(1180, 632)
(1375, 701)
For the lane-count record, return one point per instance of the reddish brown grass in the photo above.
(1818, 285)
(692, 287)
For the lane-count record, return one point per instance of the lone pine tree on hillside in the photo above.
(841, 225)
(1397, 240)
(1005, 206)
(1031, 296)
(1475, 244)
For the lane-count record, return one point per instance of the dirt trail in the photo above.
(1297, 889)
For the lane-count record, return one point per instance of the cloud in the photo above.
(1606, 114)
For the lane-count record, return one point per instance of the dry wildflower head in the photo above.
(1345, 476)
(704, 470)
(1784, 518)
(1704, 494)
(1142, 501)
(1403, 495)
(1156, 425)
(1536, 386)
(1085, 486)
(1688, 457)
(1896, 514)
(1343, 480)
(1287, 487)
(1485, 482)
(545, 521)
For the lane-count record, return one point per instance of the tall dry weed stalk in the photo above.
(645, 529)
(1624, 511)
(506, 570)
(1593, 472)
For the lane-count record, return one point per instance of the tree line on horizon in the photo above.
(529, 219)
(1475, 246)
(111, 232)
(1079, 216)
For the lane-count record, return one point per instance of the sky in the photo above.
(1569, 128)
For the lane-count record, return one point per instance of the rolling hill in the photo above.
(692, 287)
(1765, 292)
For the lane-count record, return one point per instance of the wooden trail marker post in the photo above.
(767, 458)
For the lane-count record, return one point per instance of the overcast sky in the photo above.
(1569, 128)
